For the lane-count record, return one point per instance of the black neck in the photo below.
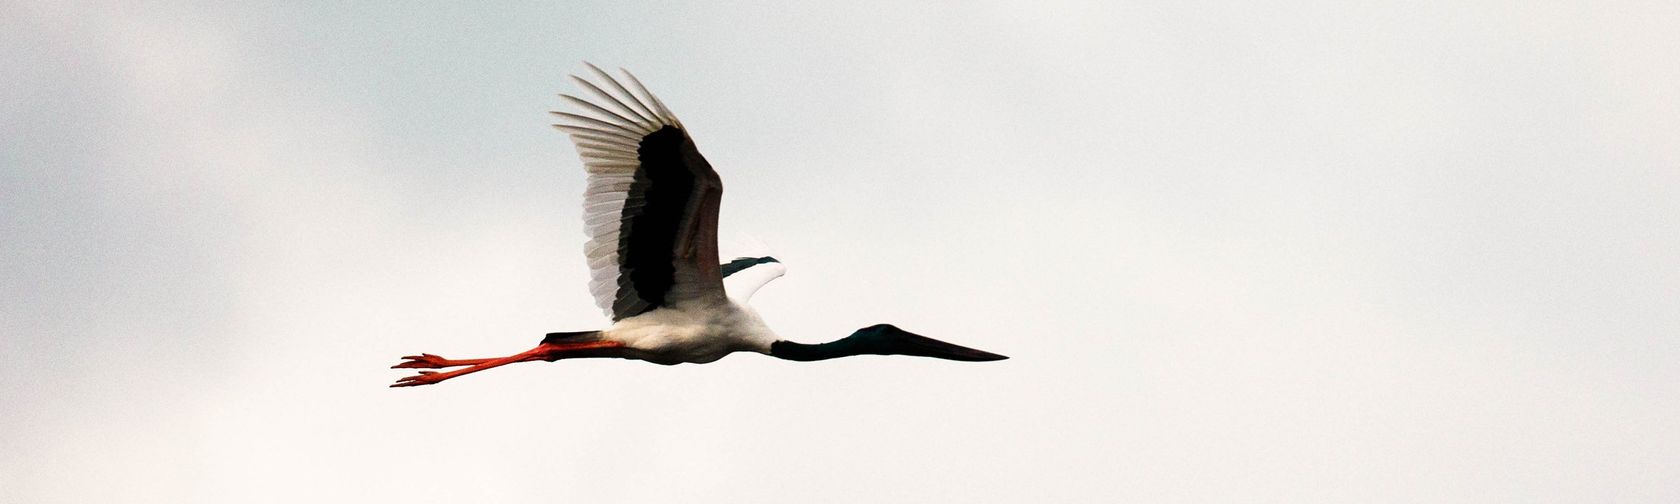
(879, 339)
(806, 353)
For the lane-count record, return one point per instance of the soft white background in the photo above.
(1238, 251)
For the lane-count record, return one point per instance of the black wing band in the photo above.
(655, 211)
(741, 263)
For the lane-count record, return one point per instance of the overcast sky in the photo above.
(1238, 251)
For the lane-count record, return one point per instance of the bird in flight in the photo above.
(651, 211)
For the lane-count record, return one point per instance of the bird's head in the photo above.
(880, 339)
(886, 339)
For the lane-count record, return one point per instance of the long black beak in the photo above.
(915, 344)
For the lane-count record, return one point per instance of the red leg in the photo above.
(545, 351)
(429, 361)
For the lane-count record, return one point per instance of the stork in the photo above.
(651, 211)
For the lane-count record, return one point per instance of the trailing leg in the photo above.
(545, 351)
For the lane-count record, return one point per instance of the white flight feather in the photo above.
(607, 140)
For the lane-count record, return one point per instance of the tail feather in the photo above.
(570, 337)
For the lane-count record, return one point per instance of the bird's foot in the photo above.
(545, 351)
(424, 378)
(429, 361)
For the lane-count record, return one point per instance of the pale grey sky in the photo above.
(1238, 251)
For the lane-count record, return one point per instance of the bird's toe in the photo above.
(424, 378)
(422, 361)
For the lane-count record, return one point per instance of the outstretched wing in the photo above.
(651, 204)
(743, 276)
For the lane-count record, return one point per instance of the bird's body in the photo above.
(650, 209)
(692, 332)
